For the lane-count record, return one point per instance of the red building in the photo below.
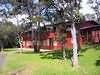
(89, 32)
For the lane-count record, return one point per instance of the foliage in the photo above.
(8, 34)
(79, 18)
(62, 37)
(37, 19)
(47, 2)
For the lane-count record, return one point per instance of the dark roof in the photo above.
(89, 25)
(83, 26)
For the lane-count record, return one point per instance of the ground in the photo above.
(50, 63)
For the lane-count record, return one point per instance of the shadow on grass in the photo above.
(97, 63)
(51, 55)
(97, 46)
(28, 52)
(56, 55)
(9, 50)
(86, 47)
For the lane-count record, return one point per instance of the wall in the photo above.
(51, 41)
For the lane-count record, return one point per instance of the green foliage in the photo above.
(62, 37)
(12, 1)
(8, 34)
(79, 18)
(47, 2)
(37, 19)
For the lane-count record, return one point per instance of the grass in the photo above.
(52, 63)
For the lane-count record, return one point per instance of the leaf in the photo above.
(37, 18)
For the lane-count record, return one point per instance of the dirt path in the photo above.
(26, 71)
(2, 59)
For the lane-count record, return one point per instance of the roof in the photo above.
(83, 26)
(89, 25)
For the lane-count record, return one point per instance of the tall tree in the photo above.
(32, 10)
(36, 42)
(68, 9)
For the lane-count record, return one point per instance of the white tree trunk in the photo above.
(75, 46)
(21, 48)
(20, 43)
(1, 47)
(64, 52)
(33, 40)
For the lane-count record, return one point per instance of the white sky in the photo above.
(85, 10)
(19, 18)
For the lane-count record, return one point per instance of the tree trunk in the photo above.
(64, 52)
(37, 39)
(1, 46)
(35, 42)
(75, 46)
(36, 46)
(78, 38)
(20, 43)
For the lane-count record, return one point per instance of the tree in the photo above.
(95, 5)
(79, 18)
(68, 9)
(16, 10)
(6, 28)
(7, 35)
(37, 20)
(53, 15)
(62, 38)
(27, 6)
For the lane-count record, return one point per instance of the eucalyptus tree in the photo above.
(31, 9)
(36, 42)
(51, 14)
(68, 9)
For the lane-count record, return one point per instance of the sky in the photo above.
(85, 10)
(14, 20)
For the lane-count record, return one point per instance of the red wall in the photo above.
(27, 41)
(95, 36)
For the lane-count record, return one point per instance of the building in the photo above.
(89, 31)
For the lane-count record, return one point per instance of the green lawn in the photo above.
(52, 63)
